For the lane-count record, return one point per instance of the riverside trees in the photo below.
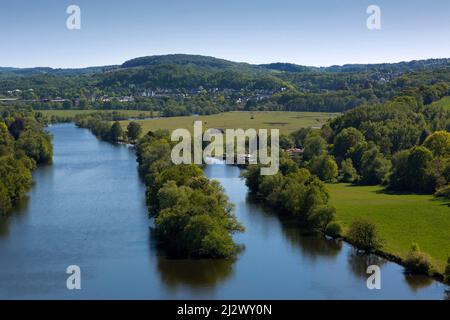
(23, 146)
(295, 193)
(402, 144)
(193, 216)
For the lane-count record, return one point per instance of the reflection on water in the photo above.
(89, 209)
(418, 282)
(312, 245)
(19, 213)
(358, 262)
(196, 274)
(199, 275)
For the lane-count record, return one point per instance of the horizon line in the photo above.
(229, 60)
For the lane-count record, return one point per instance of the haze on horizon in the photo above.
(313, 33)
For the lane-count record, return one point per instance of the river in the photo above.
(88, 209)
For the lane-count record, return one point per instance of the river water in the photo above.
(88, 209)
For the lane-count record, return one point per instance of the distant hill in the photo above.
(415, 65)
(6, 71)
(288, 67)
(273, 86)
(183, 59)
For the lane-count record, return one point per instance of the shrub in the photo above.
(443, 192)
(334, 229)
(321, 217)
(417, 261)
(364, 235)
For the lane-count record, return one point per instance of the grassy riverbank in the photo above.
(286, 121)
(400, 219)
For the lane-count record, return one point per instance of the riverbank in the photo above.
(89, 209)
(400, 220)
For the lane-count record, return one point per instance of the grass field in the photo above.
(72, 113)
(444, 102)
(400, 219)
(285, 121)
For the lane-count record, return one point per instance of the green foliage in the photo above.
(411, 170)
(374, 167)
(443, 192)
(417, 261)
(384, 143)
(205, 85)
(287, 165)
(286, 142)
(37, 146)
(100, 125)
(333, 229)
(364, 235)
(134, 131)
(325, 167)
(346, 140)
(296, 194)
(252, 176)
(193, 216)
(321, 217)
(5, 199)
(314, 145)
(23, 144)
(348, 172)
(116, 132)
(439, 143)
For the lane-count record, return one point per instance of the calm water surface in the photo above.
(88, 209)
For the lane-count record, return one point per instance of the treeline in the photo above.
(193, 216)
(23, 146)
(201, 103)
(345, 98)
(295, 193)
(106, 126)
(401, 144)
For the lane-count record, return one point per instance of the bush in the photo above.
(333, 230)
(364, 235)
(321, 217)
(416, 261)
(443, 192)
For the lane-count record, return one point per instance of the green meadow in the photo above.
(286, 121)
(400, 219)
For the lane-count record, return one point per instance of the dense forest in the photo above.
(402, 144)
(23, 146)
(187, 84)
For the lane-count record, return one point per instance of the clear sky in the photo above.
(315, 32)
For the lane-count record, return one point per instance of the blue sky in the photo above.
(315, 32)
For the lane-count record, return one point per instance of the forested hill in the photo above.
(401, 67)
(221, 85)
